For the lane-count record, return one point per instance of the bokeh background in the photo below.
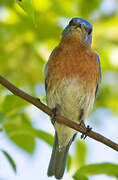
(29, 30)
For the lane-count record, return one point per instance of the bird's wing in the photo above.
(46, 73)
(99, 82)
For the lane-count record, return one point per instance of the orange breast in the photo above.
(73, 59)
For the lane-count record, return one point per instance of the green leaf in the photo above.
(90, 7)
(80, 153)
(2, 115)
(21, 136)
(1, 129)
(11, 161)
(12, 104)
(109, 169)
(48, 138)
(69, 162)
(80, 177)
(18, 131)
(21, 132)
(43, 99)
(31, 9)
(26, 5)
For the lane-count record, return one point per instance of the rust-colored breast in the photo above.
(72, 59)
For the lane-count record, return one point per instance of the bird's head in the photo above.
(80, 28)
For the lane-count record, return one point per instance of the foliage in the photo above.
(93, 169)
(9, 158)
(29, 30)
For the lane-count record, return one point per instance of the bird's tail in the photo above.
(58, 160)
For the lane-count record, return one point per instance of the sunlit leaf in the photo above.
(18, 131)
(48, 138)
(21, 132)
(80, 153)
(9, 158)
(2, 115)
(90, 7)
(12, 104)
(69, 162)
(80, 177)
(27, 6)
(109, 169)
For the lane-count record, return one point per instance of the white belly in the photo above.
(70, 97)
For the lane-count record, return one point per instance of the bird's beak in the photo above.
(78, 28)
(83, 29)
(84, 32)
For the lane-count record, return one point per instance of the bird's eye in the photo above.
(89, 31)
(74, 23)
(79, 25)
(71, 23)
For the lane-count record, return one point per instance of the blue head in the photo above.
(81, 27)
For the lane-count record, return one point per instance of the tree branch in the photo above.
(36, 102)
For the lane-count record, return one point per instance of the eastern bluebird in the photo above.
(72, 81)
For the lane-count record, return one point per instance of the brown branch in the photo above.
(16, 91)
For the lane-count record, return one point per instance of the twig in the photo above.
(35, 101)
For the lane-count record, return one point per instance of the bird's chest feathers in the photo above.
(73, 60)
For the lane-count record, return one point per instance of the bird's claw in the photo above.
(54, 110)
(84, 135)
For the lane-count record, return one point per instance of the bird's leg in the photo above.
(84, 135)
(82, 124)
(73, 138)
(88, 129)
(54, 110)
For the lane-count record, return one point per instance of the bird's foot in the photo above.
(88, 129)
(54, 110)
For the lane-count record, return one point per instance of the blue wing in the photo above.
(52, 52)
(46, 71)
(98, 85)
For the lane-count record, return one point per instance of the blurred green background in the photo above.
(29, 30)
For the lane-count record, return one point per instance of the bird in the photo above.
(72, 83)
